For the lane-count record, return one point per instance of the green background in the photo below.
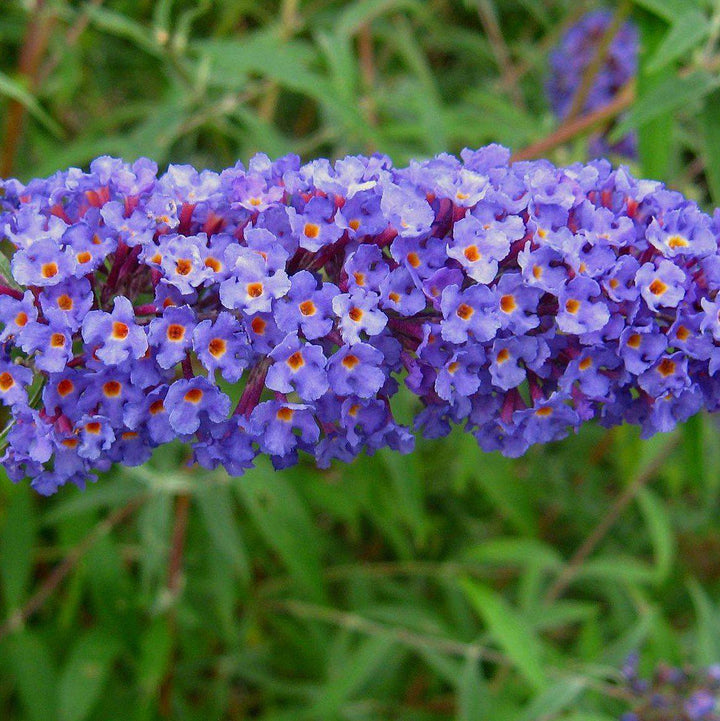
(449, 584)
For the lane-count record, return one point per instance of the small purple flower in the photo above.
(358, 313)
(469, 314)
(661, 285)
(298, 367)
(222, 345)
(42, 264)
(17, 314)
(67, 303)
(307, 308)
(253, 285)
(190, 402)
(14, 380)
(410, 214)
(315, 226)
(580, 307)
(115, 337)
(279, 427)
(356, 370)
(172, 335)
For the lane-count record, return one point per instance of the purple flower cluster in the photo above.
(278, 308)
(673, 694)
(571, 58)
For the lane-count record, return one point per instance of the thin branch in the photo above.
(37, 36)
(174, 586)
(574, 128)
(72, 36)
(411, 639)
(595, 65)
(621, 503)
(71, 559)
(500, 51)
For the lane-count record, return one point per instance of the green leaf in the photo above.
(554, 699)
(154, 656)
(687, 31)
(659, 525)
(17, 541)
(711, 126)
(357, 14)
(707, 635)
(215, 504)
(83, 678)
(472, 692)
(669, 95)
(6, 273)
(34, 673)
(123, 26)
(510, 630)
(283, 520)
(667, 9)
(15, 90)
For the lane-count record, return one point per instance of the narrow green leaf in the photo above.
(15, 90)
(17, 540)
(6, 273)
(554, 699)
(711, 127)
(281, 516)
(666, 96)
(216, 504)
(707, 634)
(659, 525)
(155, 651)
(83, 678)
(510, 630)
(34, 673)
(472, 693)
(358, 13)
(667, 9)
(687, 31)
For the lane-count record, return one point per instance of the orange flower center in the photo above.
(49, 270)
(350, 361)
(311, 230)
(194, 395)
(464, 311)
(65, 387)
(507, 303)
(175, 332)
(254, 290)
(657, 287)
(112, 389)
(217, 347)
(119, 330)
(296, 360)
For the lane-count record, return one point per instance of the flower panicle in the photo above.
(671, 693)
(518, 300)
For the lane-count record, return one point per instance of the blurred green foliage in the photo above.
(446, 584)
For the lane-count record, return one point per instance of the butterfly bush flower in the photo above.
(570, 60)
(516, 300)
(671, 693)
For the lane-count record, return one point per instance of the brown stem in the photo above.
(572, 128)
(574, 565)
(500, 51)
(37, 35)
(174, 584)
(71, 37)
(592, 70)
(71, 559)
